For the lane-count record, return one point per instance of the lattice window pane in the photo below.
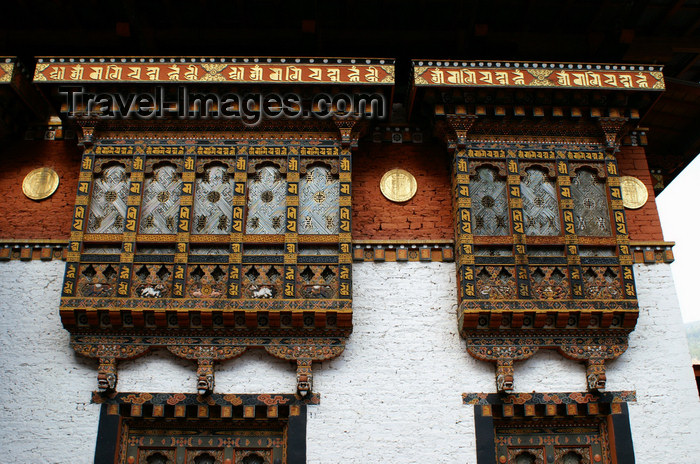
(212, 202)
(266, 202)
(539, 203)
(108, 202)
(161, 201)
(318, 202)
(591, 212)
(489, 204)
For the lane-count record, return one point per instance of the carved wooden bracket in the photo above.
(461, 125)
(87, 131)
(108, 355)
(205, 357)
(304, 355)
(303, 351)
(593, 350)
(612, 128)
(348, 138)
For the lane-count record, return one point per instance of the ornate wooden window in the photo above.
(592, 214)
(490, 208)
(540, 202)
(558, 428)
(543, 254)
(559, 267)
(267, 194)
(319, 191)
(245, 243)
(160, 205)
(176, 428)
(108, 200)
(212, 200)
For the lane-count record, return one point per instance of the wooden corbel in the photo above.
(612, 129)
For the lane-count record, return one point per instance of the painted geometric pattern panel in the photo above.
(212, 202)
(318, 282)
(489, 204)
(189, 445)
(266, 202)
(539, 203)
(97, 280)
(495, 282)
(161, 201)
(542, 444)
(207, 281)
(602, 282)
(262, 281)
(550, 282)
(590, 205)
(108, 202)
(318, 202)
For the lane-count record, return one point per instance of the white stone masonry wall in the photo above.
(45, 388)
(394, 395)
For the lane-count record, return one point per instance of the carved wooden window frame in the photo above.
(123, 415)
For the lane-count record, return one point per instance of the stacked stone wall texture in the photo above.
(393, 396)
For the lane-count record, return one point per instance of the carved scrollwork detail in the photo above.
(595, 374)
(304, 352)
(461, 125)
(218, 353)
(305, 377)
(205, 376)
(503, 352)
(603, 349)
(106, 350)
(504, 375)
(315, 352)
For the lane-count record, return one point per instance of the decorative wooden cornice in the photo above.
(216, 405)
(548, 405)
(352, 71)
(363, 250)
(536, 75)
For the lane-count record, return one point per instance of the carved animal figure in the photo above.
(261, 292)
(152, 291)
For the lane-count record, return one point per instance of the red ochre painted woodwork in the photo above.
(428, 215)
(45, 219)
(229, 70)
(537, 75)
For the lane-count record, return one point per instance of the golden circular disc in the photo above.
(398, 185)
(40, 183)
(634, 192)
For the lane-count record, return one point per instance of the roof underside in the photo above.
(614, 31)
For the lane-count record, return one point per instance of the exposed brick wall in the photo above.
(642, 223)
(46, 219)
(428, 215)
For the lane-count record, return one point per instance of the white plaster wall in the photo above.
(665, 420)
(45, 389)
(394, 395)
